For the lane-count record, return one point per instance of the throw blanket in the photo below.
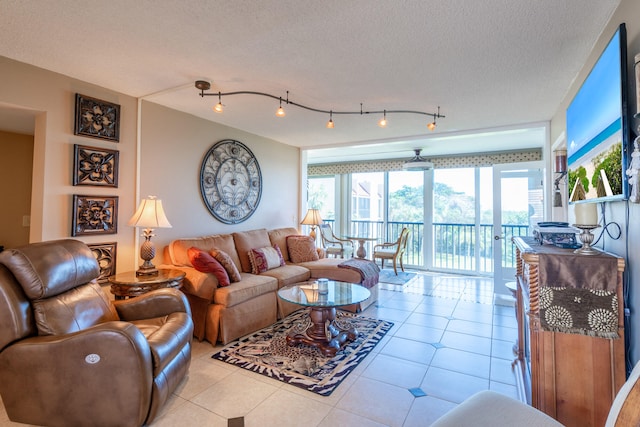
(368, 270)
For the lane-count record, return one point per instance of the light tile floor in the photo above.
(447, 340)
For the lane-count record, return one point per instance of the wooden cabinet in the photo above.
(572, 377)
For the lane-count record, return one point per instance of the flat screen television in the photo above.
(598, 128)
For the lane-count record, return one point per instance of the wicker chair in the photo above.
(393, 250)
(334, 245)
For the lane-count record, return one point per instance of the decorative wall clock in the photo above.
(230, 181)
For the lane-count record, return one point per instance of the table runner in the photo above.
(577, 292)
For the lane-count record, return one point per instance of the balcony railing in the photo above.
(456, 247)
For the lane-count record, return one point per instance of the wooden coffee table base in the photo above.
(323, 331)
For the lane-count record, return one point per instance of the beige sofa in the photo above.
(227, 313)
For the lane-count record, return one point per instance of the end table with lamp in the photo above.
(130, 284)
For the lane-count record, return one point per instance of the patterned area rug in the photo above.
(267, 352)
(388, 276)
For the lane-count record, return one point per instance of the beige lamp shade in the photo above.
(150, 214)
(312, 217)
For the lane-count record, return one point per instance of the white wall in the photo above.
(51, 97)
(173, 145)
(628, 245)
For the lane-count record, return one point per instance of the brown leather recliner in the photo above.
(71, 357)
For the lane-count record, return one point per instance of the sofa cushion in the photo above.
(225, 260)
(247, 240)
(246, 289)
(73, 311)
(177, 249)
(302, 249)
(278, 237)
(288, 274)
(204, 262)
(264, 259)
(328, 268)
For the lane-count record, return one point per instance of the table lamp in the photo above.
(149, 215)
(312, 218)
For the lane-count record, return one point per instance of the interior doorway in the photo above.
(17, 129)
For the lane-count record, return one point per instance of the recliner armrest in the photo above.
(157, 303)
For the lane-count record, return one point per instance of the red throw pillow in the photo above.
(223, 258)
(205, 263)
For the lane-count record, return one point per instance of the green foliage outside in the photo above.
(611, 162)
(581, 174)
(449, 206)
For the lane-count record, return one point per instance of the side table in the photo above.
(127, 285)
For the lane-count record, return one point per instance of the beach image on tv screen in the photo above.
(594, 130)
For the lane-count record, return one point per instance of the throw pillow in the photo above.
(264, 259)
(223, 258)
(205, 263)
(302, 249)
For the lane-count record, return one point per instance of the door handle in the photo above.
(498, 237)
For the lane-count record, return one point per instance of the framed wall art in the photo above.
(105, 254)
(97, 118)
(95, 166)
(94, 215)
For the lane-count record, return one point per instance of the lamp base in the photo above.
(147, 253)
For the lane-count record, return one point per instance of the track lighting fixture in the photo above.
(383, 121)
(218, 108)
(204, 85)
(330, 122)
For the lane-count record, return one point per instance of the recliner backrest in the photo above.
(59, 279)
(49, 268)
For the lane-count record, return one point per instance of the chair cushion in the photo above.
(264, 259)
(73, 311)
(204, 262)
(302, 249)
(490, 409)
(225, 260)
(167, 336)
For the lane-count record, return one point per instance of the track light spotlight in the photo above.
(280, 111)
(218, 107)
(383, 121)
(330, 122)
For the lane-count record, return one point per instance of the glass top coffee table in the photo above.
(323, 329)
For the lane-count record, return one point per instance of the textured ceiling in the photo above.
(487, 64)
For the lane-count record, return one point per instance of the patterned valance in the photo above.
(464, 161)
